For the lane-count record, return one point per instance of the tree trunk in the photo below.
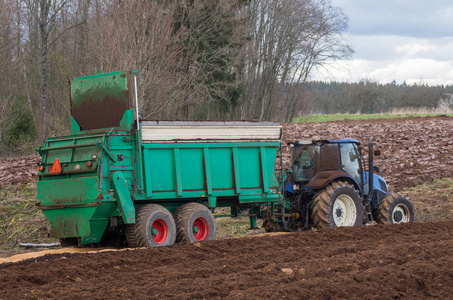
(44, 29)
(43, 91)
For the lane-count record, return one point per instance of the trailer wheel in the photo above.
(394, 209)
(194, 223)
(154, 227)
(337, 205)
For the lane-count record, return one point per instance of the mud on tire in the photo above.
(194, 223)
(338, 204)
(394, 209)
(154, 226)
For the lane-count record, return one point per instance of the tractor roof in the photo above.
(309, 142)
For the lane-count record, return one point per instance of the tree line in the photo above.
(196, 59)
(204, 59)
(369, 97)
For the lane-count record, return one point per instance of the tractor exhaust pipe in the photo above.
(370, 170)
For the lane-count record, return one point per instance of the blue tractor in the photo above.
(331, 185)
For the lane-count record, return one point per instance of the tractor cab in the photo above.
(314, 164)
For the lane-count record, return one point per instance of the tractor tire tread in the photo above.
(182, 216)
(383, 215)
(321, 209)
(136, 233)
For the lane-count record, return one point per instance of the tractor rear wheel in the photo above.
(394, 209)
(337, 205)
(194, 223)
(154, 226)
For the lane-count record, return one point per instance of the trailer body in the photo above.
(92, 181)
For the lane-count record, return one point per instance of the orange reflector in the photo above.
(56, 167)
(41, 168)
(89, 163)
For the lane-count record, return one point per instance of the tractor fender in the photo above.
(323, 178)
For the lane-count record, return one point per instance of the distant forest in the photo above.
(199, 60)
(368, 97)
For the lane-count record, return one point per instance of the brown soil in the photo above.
(413, 150)
(19, 170)
(370, 262)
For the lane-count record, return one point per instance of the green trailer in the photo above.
(154, 182)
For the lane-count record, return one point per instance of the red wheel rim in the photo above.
(159, 231)
(200, 229)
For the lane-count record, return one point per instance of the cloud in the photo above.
(415, 48)
(419, 18)
(382, 47)
(402, 40)
(417, 70)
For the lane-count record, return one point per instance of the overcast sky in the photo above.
(402, 40)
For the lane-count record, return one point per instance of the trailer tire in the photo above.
(154, 227)
(194, 223)
(339, 204)
(394, 209)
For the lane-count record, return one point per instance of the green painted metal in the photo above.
(125, 173)
(253, 222)
(100, 101)
(127, 121)
(184, 170)
(126, 206)
(68, 191)
(73, 222)
(99, 221)
(107, 172)
(74, 126)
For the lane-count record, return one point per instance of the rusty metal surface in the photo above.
(99, 101)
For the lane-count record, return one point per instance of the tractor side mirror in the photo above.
(377, 152)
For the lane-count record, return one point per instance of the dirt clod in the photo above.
(411, 260)
(367, 262)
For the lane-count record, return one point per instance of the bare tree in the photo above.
(213, 35)
(7, 46)
(46, 14)
(139, 35)
(290, 39)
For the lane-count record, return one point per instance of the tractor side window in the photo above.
(303, 167)
(351, 161)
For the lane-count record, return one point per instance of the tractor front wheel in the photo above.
(394, 209)
(337, 205)
(194, 223)
(154, 227)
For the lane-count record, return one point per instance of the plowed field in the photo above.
(370, 262)
(414, 150)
